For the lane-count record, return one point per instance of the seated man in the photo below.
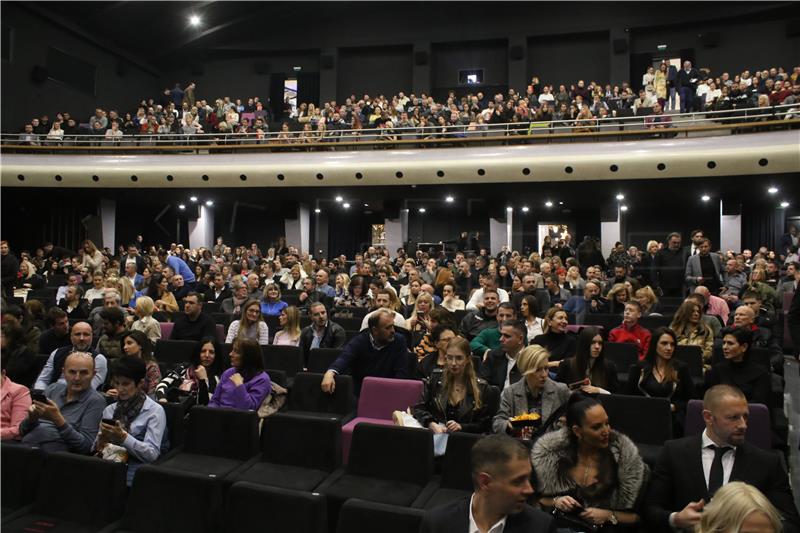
(322, 332)
(322, 277)
(140, 423)
(500, 366)
(193, 324)
(734, 282)
(690, 470)
(178, 287)
(57, 335)
(590, 302)
(714, 306)
(657, 120)
(80, 341)
(254, 286)
(558, 295)
(489, 338)
(501, 477)
(487, 282)
(110, 343)
(218, 290)
(68, 416)
(376, 352)
(630, 330)
(476, 321)
(383, 300)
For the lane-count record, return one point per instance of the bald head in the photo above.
(744, 316)
(78, 372)
(718, 394)
(427, 288)
(703, 291)
(81, 336)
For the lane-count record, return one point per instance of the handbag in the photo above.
(574, 522)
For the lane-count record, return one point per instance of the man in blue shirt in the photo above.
(178, 266)
(323, 278)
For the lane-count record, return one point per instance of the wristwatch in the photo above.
(613, 518)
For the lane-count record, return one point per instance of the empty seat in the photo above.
(388, 464)
(298, 452)
(216, 442)
(380, 397)
(96, 501)
(692, 356)
(360, 516)
(176, 423)
(254, 508)
(172, 352)
(576, 328)
(608, 321)
(306, 397)
(759, 432)
(456, 479)
(350, 323)
(647, 421)
(166, 329)
(321, 359)
(623, 354)
(19, 475)
(211, 307)
(286, 358)
(164, 501)
(223, 319)
(654, 322)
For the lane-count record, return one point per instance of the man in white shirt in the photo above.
(384, 301)
(487, 282)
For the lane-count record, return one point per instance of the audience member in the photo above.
(194, 380)
(670, 264)
(489, 338)
(144, 319)
(740, 508)
(589, 370)
(289, 321)
(476, 321)
(15, 401)
(244, 385)
(193, 324)
(691, 330)
(500, 367)
(233, 305)
(271, 304)
(440, 337)
(630, 330)
(57, 335)
(80, 341)
(136, 344)
(739, 369)
(555, 338)
(250, 325)
(110, 343)
(322, 332)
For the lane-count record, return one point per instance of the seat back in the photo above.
(278, 377)
(455, 473)
(230, 433)
(172, 352)
(300, 440)
(176, 423)
(692, 356)
(380, 397)
(166, 329)
(623, 354)
(361, 516)
(307, 395)
(253, 507)
(654, 322)
(166, 501)
(608, 321)
(220, 329)
(19, 476)
(321, 359)
(99, 500)
(410, 450)
(759, 432)
(644, 420)
(222, 318)
(286, 358)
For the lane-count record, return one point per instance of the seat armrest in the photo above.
(331, 479)
(423, 497)
(169, 455)
(230, 478)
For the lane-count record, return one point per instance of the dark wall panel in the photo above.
(449, 58)
(375, 70)
(564, 59)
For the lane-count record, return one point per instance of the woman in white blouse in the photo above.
(251, 325)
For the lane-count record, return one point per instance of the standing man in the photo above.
(670, 266)
(704, 268)
(686, 83)
(134, 258)
(9, 268)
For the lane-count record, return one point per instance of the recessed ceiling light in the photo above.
(705, 198)
(623, 208)
(772, 190)
(620, 196)
(181, 206)
(548, 203)
(560, 203)
(346, 205)
(421, 209)
(509, 209)
(449, 199)
(318, 210)
(784, 204)
(366, 205)
(525, 209)
(209, 203)
(194, 20)
(339, 198)
(193, 198)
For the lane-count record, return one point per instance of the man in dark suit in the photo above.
(495, 368)
(686, 84)
(690, 470)
(704, 268)
(218, 290)
(132, 257)
(501, 473)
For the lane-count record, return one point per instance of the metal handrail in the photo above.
(314, 138)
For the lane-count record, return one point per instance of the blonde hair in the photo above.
(732, 504)
(551, 313)
(345, 280)
(145, 305)
(532, 358)
(292, 321)
(423, 296)
(650, 244)
(470, 374)
(647, 292)
(126, 290)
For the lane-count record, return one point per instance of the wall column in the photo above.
(298, 229)
(499, 234)
(396, 230)
(730, 226)
(610, 229)
(328, 76)
(201, 230)
(517, 68)
(108, 221)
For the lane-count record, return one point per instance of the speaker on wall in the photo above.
(620, 46)
(516, 52)
(710, 39)
(326, 61)
(421, 58)
(261, 68)
(39, 74)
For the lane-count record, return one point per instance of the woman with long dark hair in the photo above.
(589, 364)
(163, 300)
(197, 378)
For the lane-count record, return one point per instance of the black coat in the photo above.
(432, 409)
(495, 367)
(454, 518)
(671, 266)
(334, 337)
(567, 374)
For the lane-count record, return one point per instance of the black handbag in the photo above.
(574, 522)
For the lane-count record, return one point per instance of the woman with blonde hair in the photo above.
(144, 319)
(648, 300)
(618, 296)
(691, 330)
(126, 291)
(289, 334)
(535, 392)
(419, 321)
(250, 325)
(92, 257)
(342, 284)
(739, 508)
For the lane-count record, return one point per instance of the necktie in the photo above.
(716, 475)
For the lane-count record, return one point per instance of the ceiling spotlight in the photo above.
(620, 196)
(366, 205)
(421, 209)
(772, 190)
(318, 210)
(548, 203)
(346, 205)
(194, 20)
(525, 209)
(509, 209)
(623, 208)
(449, 199)
(193, 198)
(784, 204)
(705, 198)
(560, 203)
(339, 198)
(181, 206)
(209, 203)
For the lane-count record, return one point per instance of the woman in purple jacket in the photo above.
(245, 384)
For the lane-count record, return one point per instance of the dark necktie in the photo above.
(716, 476)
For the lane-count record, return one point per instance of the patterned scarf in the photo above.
(127, 411)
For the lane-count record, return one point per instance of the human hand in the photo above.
(589, 389)
(328, 382)
(112, 392)
(163, 400)
(201, 373)
(437, 428)
(453, 426)
(48, 411)
(595, 515)
(566, 504)
(237, 379)
(112, 433)
(690, 515)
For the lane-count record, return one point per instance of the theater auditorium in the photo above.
(357, 267)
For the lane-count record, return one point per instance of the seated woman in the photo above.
(15, 400)
(441, 335)
(293, 279)
(740, 508)
(245, 384)
(589, 364)
(535, 393)
(28, 278)
(648, 300)
(289, 334)
(272, 305)
(455, 398)
(738, 368)
(419, 322)
(659, 375)
(136, 344)
(588, 471)
(196, 379)
(618, 296)
(73, 303)
(426, 345)
(250, 325)
(691, 330)
(342, 284)
(140, 424)
(356, 294)
(555, 339)
(528, 309)
(450, 299)
(144, 319)
(163, 300)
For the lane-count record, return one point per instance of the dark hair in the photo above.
(518, 325)
(436, 333)
(635, 304)
(153, 288)
(375, 319)
(216, 366)
(443, 316)
(196, 295)
(129, 367)
(250, 352)
(113, 315)
(752, 294)
(508, 305)
(577, 405)
(491, 454)
(141, 339)
(742, 336)
(55, 313)
(533, 305)
(652, 353)
(583, 357)
(358, 281)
